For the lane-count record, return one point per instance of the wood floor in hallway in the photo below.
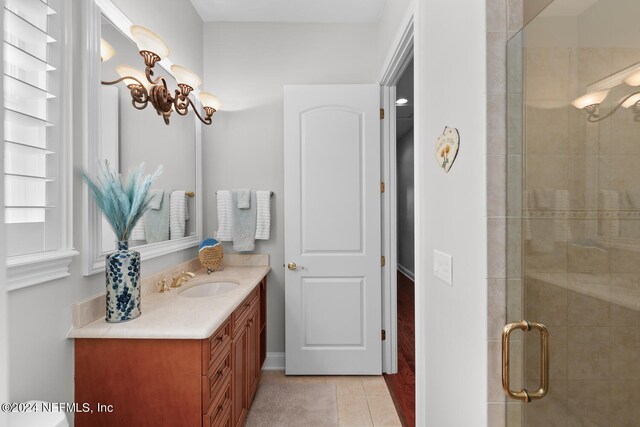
(402, 385)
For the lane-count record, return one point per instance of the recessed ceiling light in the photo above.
(402, 101)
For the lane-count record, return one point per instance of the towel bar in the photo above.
(270, 193)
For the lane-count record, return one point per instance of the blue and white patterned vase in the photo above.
(123, 284)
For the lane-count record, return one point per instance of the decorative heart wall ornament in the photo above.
(447, 146)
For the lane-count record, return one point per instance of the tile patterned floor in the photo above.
(361, 401)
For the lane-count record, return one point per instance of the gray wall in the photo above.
(246, 66)
(452, 213)
(405, 213)
(41, 358)
(392, 15)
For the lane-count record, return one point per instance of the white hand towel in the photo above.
(529, 205)
(544, 232)
(561, 204)
(629, 205)
(225, 225)
(632, 200)
(138, 230)
(545, 198)
(178, 214)
(263, 222)
(610, 202)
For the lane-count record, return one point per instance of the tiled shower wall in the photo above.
(581, 250)
(594, 367)
(504, 19)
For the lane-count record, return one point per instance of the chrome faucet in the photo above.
(184, 277)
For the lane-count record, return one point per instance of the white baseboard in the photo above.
(274, 362)
(406, 272)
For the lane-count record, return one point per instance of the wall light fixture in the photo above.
(144, 88)
(106, 51)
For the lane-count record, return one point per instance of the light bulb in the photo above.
(631, 101)
(149, 41)
(128, 71)
(106, 51)
(208, 100)
(633, 79)
(186, 76)
(592, 98)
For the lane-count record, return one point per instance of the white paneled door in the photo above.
(332, 229)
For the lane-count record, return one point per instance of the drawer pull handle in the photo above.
(222, 372)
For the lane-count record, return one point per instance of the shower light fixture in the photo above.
(145, 88)
(402, 101)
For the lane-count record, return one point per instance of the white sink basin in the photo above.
(209, 289)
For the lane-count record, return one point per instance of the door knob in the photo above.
(292, 266)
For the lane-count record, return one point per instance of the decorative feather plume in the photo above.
(123, 203)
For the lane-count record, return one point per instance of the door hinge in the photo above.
(382, 187)
(382, 261)
(384, 335)
(382, 114)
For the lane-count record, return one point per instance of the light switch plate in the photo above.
(443, 267)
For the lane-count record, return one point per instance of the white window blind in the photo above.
(31, 137)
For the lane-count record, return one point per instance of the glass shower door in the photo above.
(573, 205)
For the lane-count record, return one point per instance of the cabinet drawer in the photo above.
(216, 378)
(238, 318)
(219, 413)
(215, 345)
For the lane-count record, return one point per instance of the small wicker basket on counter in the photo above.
(211, 255)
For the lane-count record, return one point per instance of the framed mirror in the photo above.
(127, 137)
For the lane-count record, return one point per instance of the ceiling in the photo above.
(325, 11)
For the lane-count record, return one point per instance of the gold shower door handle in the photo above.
(523, 394)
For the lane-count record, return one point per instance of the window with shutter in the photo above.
(36, 169)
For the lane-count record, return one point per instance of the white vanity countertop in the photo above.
(172, 316)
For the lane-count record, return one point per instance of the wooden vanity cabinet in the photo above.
(175, 382)
(253, 352)
(238, 389)
(263, 321)
(245, 353)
